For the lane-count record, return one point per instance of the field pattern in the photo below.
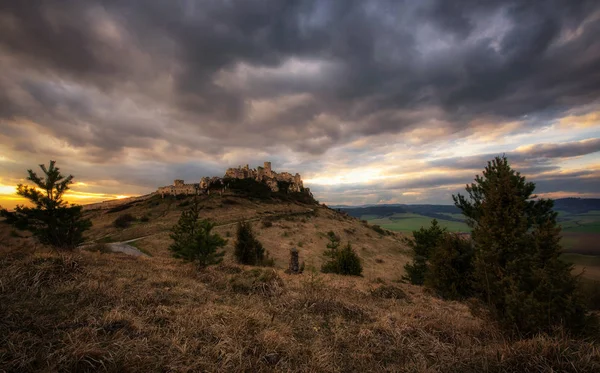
(579, 220)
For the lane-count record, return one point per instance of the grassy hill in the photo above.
(95, 310)
(279, 225)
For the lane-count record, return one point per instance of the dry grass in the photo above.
(288, 225)
(91, 311)
(98, 311)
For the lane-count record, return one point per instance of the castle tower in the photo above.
(178, 182)
(268, 169)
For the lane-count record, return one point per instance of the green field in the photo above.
(580, 230)
(581, 240)
(588, 222)
(408, 222)
(585, 223)
(455, 216)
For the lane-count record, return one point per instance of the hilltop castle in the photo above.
(263, 174)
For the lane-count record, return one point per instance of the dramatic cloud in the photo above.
(135, 92)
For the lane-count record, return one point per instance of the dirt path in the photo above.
(122, 247)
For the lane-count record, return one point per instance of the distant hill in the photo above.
(577, 205)
(579, 219)
(570, 205)
(432, 211)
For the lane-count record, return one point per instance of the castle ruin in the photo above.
(262, 174)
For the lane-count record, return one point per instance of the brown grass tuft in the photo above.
(389, 292)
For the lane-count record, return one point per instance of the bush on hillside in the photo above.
(450, 270)
(422, 243)
(248, 250)
(332, 245)
(193, 240)
(248, 188)
(378, 229)
(124, 221)
(343, 262)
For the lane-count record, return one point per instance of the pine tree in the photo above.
(348, 262)
(517, 267)
(332, 245)
(51, 220)
(450, 268)
(423, 242)
(193, 240)
(343, 261)
(248, 250)
(184, 233)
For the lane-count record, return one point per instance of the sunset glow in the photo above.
(408, 109)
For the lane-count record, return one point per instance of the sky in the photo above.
(370, 101)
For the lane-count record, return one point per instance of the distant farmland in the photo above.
(575, 216)
(579, 219)
(408, 222)
(581, 243)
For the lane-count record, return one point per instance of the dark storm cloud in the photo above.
(569, 184)
(375, 66)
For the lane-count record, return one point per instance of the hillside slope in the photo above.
(279, 225)
(93, 311)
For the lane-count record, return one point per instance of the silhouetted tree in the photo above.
(193, 240)
(50, 219)
(423, 243)
(248, 250)
(517, 269)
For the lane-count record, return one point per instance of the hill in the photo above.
(279, 224)
(94, 310)
(577, 205)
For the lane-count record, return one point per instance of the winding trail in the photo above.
(124, 248)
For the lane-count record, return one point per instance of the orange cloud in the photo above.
(581, 121)
(9, 198)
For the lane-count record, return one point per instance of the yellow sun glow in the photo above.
(7, 189)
